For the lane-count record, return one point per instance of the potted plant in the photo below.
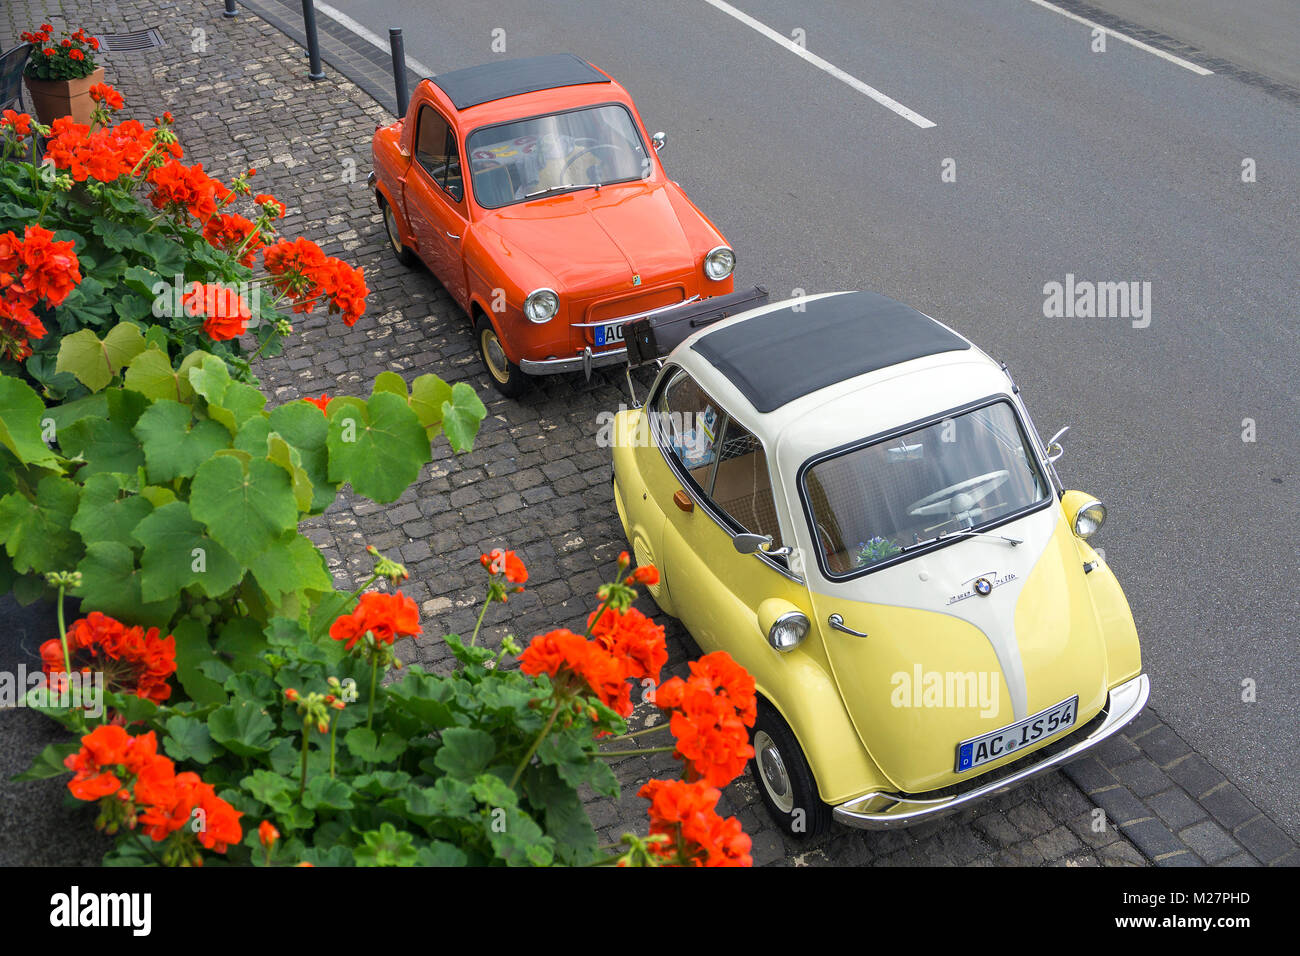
(60, 73)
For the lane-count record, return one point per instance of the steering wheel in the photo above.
(584, 151)
(973, 489)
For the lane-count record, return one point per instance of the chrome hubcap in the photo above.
(773, 773)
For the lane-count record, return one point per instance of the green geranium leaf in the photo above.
(38, 534)
(304, 427)
(239, 403)
(465, 752)
(174, 444)
(150, 373)
(22, 423)
(361, 741)
(49, 762)
(440, 853)
(272, 789)
(110, 582)
(389, 382)
(386, 846)
(188, 739)
(286, 456)
(381, 782)
(461, 417)
(377, 446)
(246, 510)
(291, 564)
(179, 552)
(242, 728)
(243, 640)
(428, 394)
(108, 512)
(193, 651)
(95, 362)
(563, 813)
(323, 791)
(106, 446)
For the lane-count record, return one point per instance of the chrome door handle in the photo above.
(452, 235)
(837, 622)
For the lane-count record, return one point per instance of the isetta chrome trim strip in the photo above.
(884, 811)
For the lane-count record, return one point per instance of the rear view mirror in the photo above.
(749, 543)
(1054, 449)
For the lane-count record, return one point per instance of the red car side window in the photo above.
(435, 150)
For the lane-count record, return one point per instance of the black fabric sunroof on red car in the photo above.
(502, 78)
(783, 355)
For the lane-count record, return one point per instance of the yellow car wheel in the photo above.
(785, 781)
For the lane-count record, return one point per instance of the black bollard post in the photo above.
(399, 69)
(313, 42)
(231, 10)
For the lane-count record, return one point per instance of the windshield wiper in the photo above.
(551, 189)
(962, 532)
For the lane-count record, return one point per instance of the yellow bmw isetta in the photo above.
(851, 499)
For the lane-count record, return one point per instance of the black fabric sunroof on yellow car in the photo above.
(497, 80)
(783, 355)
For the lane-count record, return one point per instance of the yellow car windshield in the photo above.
(873, 503)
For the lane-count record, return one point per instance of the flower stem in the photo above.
(607, 861)
(63, 638)
(374, 673)
(145, 846)
(631, 753)
(638, 733)
(479, 623)
(523, 764)
(302, 774)
(334, 727)
(598, 615)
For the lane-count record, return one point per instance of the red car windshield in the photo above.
(525, 159)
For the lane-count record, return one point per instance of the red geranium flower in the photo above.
(322, 403)
(103, 93)
(507, 563)
(684, 812)
(233, 233)
(386, 616)
(710, 712)
(270, 205)
(574, 662)
(225, 311)
(132, 660)
(635, 640)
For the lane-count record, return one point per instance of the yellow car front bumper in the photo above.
(882, 811)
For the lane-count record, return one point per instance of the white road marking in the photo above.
(1185, 64)
(910, 115)
(338, 16)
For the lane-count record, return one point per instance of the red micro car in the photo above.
(531, 190)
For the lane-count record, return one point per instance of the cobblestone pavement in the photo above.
(536, 481)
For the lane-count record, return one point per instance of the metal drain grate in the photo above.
(132, 42)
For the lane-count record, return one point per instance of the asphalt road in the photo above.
(1111, 166)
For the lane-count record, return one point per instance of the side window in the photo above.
(688, 423)
(431, 143)
(435, 150)
(742, 485)
(723, 457)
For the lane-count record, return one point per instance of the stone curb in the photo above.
(1175, 807)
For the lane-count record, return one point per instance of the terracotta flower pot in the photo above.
(54, 98)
